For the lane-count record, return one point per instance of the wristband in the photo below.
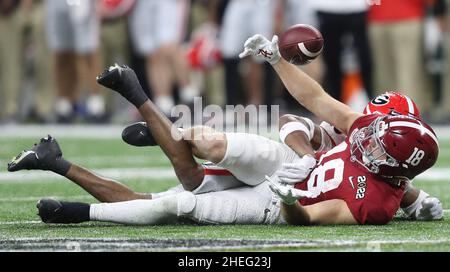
(291, 127)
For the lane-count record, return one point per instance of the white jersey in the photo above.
(215, 179)
(223, 199)
(234, 191)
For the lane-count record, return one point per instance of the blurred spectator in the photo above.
(289, 13)
(338, 19)
(73, 36)
(203, 52)
(157, 30)
(397, 38)
(442, 112)
(115, 48)
(11, 58)
(44, 91)
(243, 19)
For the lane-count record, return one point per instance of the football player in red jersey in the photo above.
(416, 204)
(390, 149)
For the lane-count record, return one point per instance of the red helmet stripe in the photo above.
(416, 126)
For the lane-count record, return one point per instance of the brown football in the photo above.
(300, 44)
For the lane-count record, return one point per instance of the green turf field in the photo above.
(20, 228)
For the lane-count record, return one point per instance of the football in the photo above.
(300, 44)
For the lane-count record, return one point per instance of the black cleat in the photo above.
(57, 212)
(46, 155)
(123, 79)
(118, 78)
(138, 134)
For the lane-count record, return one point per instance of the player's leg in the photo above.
(135, 212)
(171, 22)
(47, 155)
(60, 41)
(247, 205)
(248, 157)
(124, 81)
(86, 31)
(160, 77)
(66, 85)
(243, 205)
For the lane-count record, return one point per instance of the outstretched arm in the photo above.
(313, 97)
(302, 87)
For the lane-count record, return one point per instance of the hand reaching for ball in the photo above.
(299, 45)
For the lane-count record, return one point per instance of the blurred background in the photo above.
(52, 50)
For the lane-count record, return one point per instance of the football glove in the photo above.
(288, 194)
(292, 173)
(261, 48)
(431, 209)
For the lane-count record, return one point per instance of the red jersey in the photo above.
(397, 10)
(370, 199)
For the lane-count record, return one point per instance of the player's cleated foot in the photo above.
(59, 212)
(118, 78)
(123, 79)
(138, 134)
(46, 155)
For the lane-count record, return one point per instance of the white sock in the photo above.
(165, 104)
(137, 212)
(95, 105)
(63, 106)
(187, 94)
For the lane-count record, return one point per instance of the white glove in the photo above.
(431, 209)
(292, 173)
(261, 48)
(287, 193)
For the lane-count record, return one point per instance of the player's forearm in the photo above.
(312, 96)
(298, 142)
(295, 214)
(304, 89)
(409, 197)
(291, 126)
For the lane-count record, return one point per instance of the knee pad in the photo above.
(186, 202)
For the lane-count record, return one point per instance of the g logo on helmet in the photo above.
(380, 100)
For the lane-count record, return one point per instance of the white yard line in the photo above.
(62, 131)
(77, 244)
(36, 198)
(20, 222)
(125, 173)
(154, 173)
(109, 131)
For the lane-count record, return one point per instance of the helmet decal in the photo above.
(380, 100)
